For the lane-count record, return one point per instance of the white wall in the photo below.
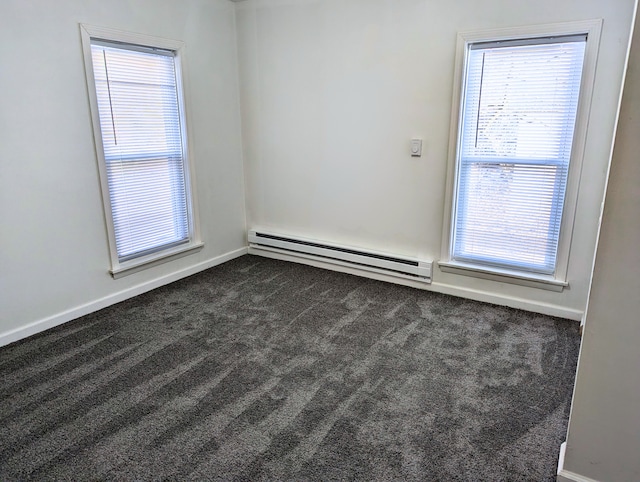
(54, 255)
(604, 429)
(332, 91)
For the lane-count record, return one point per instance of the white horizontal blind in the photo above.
(141, 135)
(518, 116)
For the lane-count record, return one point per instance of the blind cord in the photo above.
(113, 122)
(479, 99)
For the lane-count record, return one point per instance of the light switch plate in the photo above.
(416, 147)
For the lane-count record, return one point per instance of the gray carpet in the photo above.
(266, 370)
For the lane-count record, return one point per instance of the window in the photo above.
(141, 143)
(514, 153)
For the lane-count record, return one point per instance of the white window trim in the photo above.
(118, 268)
(592, 28)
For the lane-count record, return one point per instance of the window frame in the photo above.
(121, 268)
(558, 281)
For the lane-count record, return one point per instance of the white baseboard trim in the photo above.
(510, 301)
(563, 450)
(60, 318)
(536, 307)
(566, 476)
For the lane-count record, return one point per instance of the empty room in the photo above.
(319, 240)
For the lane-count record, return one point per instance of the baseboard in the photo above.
(563, 450)
(502, 300)
(60, 318)
(510, 301)
(566, 476)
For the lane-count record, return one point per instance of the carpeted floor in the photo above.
(266, 370)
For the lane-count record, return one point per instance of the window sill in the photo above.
(139, 264)
(506, 276)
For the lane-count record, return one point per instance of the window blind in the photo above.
(519, 109)
(141, 131)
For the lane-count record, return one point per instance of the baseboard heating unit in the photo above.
(265, 242)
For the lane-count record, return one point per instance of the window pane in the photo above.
(141, 135)
(519, 111)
